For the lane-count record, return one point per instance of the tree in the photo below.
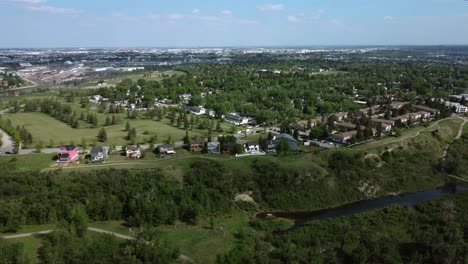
(127, 126)
(108, 121)
(283, 148)
(39, 146)
(379, 130)
(218, 126)
(102, 135)
(78, 220)
(113, 121)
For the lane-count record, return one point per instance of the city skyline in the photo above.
(59, 23)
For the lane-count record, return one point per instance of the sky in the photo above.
(215, 23)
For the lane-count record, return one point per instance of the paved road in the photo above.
(7, 142)
(98, 230)
(26, 234)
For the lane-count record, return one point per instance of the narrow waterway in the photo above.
(410, 199)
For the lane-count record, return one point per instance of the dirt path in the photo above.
(459, 134)
(430, 128)
(7, 142)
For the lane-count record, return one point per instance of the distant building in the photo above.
(196, 110)
(457, 107)
(430, 110)
(166, 149)
(274, 144)
(213, 147)
(98, 154)
(251, 146)
(196, 144)
(236, 119)
(133, 152)
(346, 126)
(67, 154)
(344, 137)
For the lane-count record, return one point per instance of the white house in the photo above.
(252, 147)
(236, 119)
(457, 107)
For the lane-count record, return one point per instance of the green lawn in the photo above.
(31, 245)
(28, 162)
(116, 78)
(45, 128)
(200, 242)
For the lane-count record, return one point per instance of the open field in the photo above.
(45, 128)
(28, 162)
(135, 76)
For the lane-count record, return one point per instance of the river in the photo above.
(410, 199)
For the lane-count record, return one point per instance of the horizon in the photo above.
(246, 46)
(106, 23)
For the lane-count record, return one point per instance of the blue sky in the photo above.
(188, 23)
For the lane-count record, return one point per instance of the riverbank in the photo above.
(408, 199)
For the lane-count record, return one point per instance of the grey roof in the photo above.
(286, 136)
(96, 150)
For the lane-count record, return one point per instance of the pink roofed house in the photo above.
(67, 153)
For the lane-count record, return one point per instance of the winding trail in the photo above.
(429, 128)
(459, 134)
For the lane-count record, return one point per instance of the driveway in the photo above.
(7, 142)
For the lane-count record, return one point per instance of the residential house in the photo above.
(133, 152)
(303, 125)
(387, 125)
(457, 107)
(196, 110)
(384, 121)
(396, 105)
(424, 115)
(346, 126)
(229, 147)
(213, 147)
(236, 119)
(274, 144)
(98, 154)
(252, 146)
(344, 137)
(166, 149)
(67, 153)
(341, 116)
(430, 110)
(403, 119)
(196, 144)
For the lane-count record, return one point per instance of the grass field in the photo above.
(45, 128)
(116, 78)
(30, 246)
(28, 162)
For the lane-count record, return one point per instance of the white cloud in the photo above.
(25, 1)
(293, 19)
(248, 22)
(271, 7)
(388, 18)
(38, 6)
(195, 11)
(53, 9)
(226, 13)
(175, 16)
